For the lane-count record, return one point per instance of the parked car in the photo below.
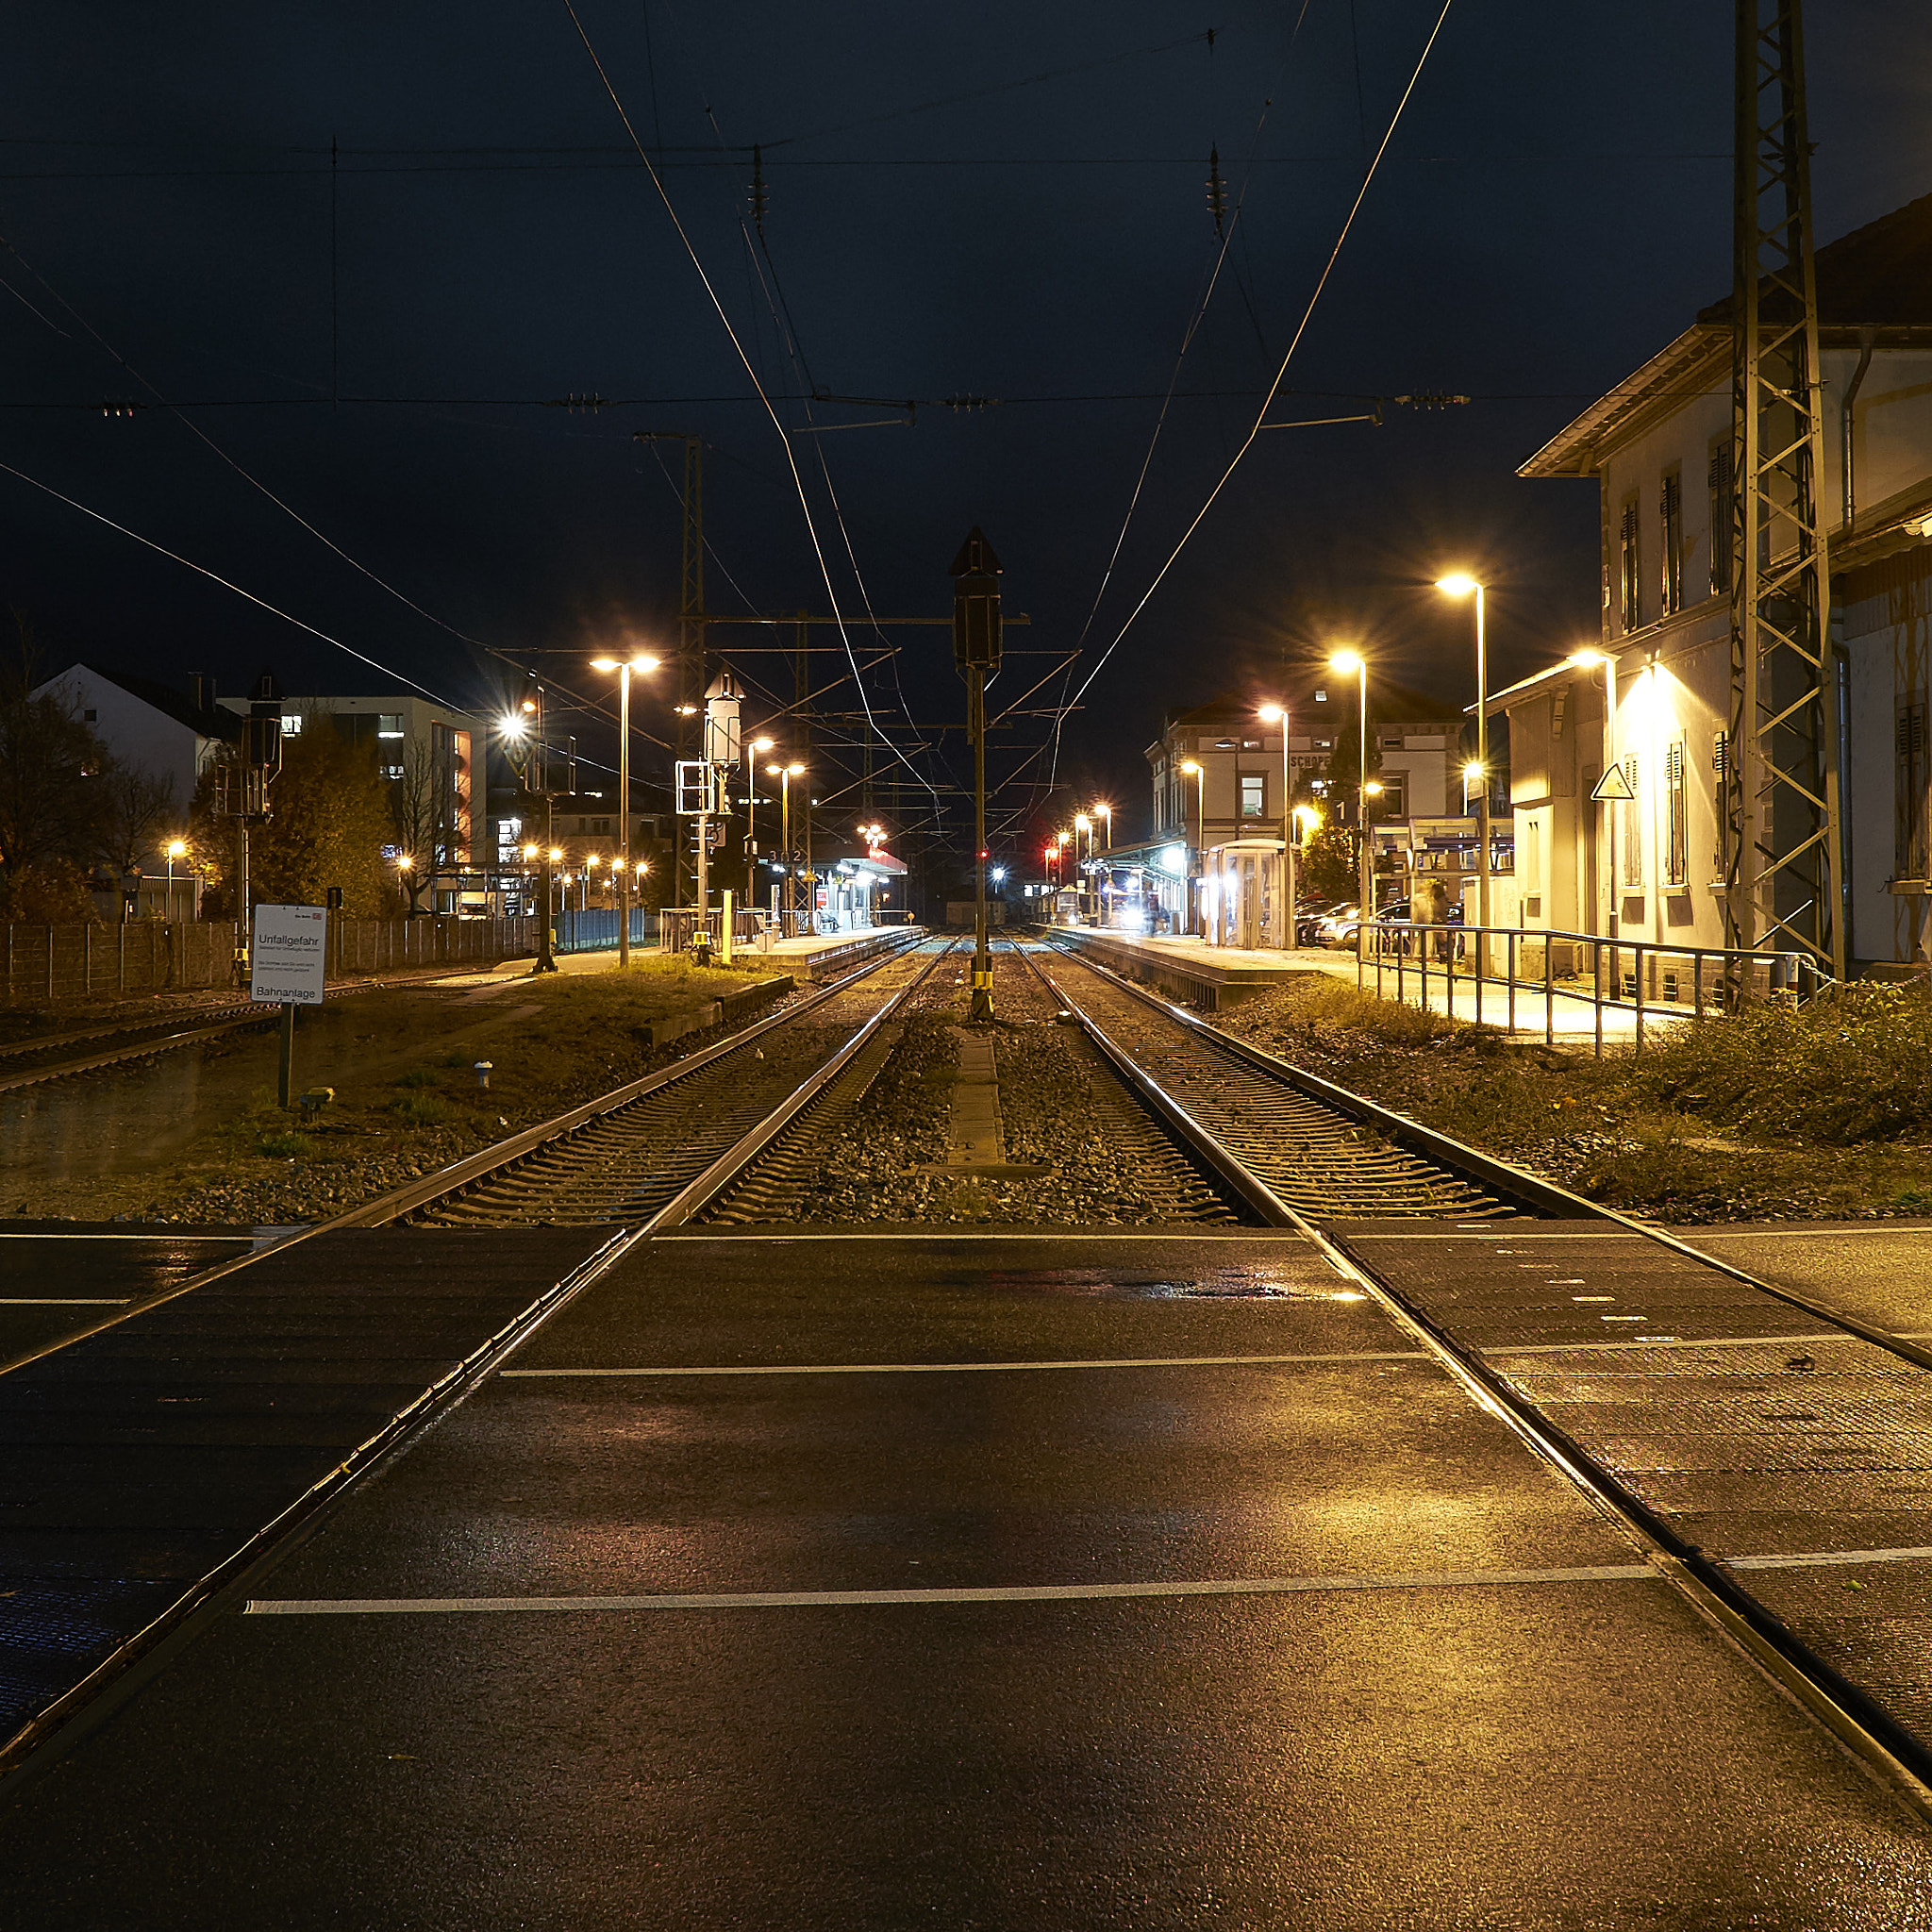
(1337, 927)
(1391, 935)
(1308, 922)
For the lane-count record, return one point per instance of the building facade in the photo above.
(1651, 693)
(1222, 824)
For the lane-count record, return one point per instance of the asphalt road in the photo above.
(1292, 1635)
(55, 1283)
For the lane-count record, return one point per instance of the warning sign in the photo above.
(287, 966)
(1614, 784)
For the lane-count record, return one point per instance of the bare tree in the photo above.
(53, 773)
(136, 807)
(416, 812)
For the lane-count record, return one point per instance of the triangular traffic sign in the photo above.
(1615, 783)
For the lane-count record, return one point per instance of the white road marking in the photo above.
(1174, 1361)
(1011, 1593)
(29, 1234)
(1818, 1559)
(1645, 1342)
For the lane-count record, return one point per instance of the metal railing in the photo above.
(1636, 977)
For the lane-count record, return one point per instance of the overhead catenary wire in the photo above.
(1281, 373)
(744, 360)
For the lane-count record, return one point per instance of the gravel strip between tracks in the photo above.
(1061, 1110)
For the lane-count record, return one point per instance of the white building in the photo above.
(1658, 702)
(151, 727)
(1223, 823)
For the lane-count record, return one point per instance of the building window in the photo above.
(1630, 829)
(1533, 856)
(1631, 584)
(292, 723)
(1723, 510)
(1671, 514)
(1394, 799)
(94, 718)
(1677, 824)
(389, 725)
(1252, 806)
(1909, 859)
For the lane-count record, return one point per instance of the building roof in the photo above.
(1877, 279)
(169, 702)
(1389, 703)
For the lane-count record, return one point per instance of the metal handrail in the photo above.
(1736, 975)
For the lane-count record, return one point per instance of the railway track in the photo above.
(1435, 1233)
(666, 1153)
(1684, 1427)
(1274, 1146)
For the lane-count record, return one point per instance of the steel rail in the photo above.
(1503, 1176)
(205, 1598)
(486, 1162)
(733, 1165)
(1884, 1747)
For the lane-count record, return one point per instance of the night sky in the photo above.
(1006, 202)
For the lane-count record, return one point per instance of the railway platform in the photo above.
(1187, 969)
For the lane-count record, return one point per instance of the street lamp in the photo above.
(1278, 714)
(1460, 585)
(1353, 663)
(405, 866)
(755, 749)
(785, 773)
(624, 667)
(1587, 659)
(176, 849)
(1191, 768)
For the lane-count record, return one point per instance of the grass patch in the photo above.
(287, 1146)
(421, 1077)
(1774, 1112)
(420, 1109)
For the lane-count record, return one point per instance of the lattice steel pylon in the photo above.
(1783, 853)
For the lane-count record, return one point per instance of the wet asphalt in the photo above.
(56, 1282)
(1439, 1724)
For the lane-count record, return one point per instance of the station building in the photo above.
(1651, 692)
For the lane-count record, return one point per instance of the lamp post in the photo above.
(624, 667)
(1460, 585)
(1272, 714)
(1590, 660)
(1082, 823)
(753, 750)
(176, 849)
(785, 773)
(1347, 662)
(1192, 768)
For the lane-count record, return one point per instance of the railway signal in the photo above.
(977, 653)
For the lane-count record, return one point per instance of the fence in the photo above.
(594, 930)
(1636, 976)
(47, 965)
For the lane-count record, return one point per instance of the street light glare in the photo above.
(1471, 771)
(1347, 662)
(1270, 714)
(795, 770)
(763, 744)
(1457, 584)
(1190, 768)
(1586, 660)
(177, 849)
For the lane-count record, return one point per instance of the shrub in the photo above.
(1855, 1064)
